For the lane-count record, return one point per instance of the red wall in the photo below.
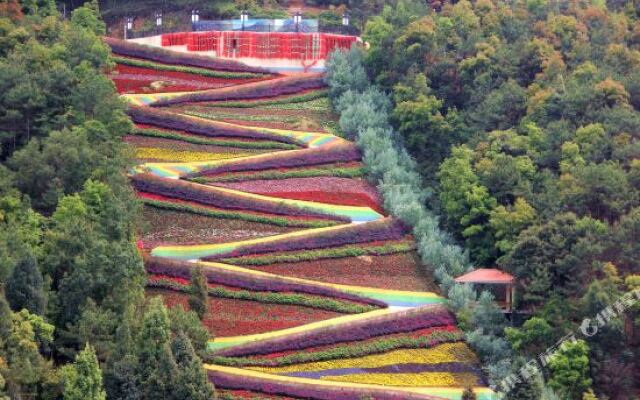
(294, 46)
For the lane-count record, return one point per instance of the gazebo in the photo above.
(492, 276)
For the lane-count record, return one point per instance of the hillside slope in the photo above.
(315, 292)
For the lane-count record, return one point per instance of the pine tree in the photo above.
(83, 380)
(156, 366)
(192, 382)
(25, 287)
(199, 298)
(5, 318)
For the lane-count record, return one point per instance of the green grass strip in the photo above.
(353, 172)
(208, 141)
(351, 350)
(292, 299)
(278, 221)
(191, 70)
(312, 255)
(303, 98)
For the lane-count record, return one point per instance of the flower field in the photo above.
(314, 290)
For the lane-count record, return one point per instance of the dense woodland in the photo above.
(73, 280)
(523, 119)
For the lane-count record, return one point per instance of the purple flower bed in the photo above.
(451, 367)
(218, 197)
(158, 54)
(182, 269)
(399, 322)
(287, 159)
(252, 90)
(384, 229)
(169, 120)
(317, 391)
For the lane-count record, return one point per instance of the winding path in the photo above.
(350, 224)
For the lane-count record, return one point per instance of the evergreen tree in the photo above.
(25, 287)
(83, 379)
(5, 318)
(157, 368)
(199, 296)
(192, 382)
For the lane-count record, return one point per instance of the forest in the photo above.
(523, 122)
(69, 267)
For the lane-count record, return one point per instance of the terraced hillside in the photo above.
(315, 292)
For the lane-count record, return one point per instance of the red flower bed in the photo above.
(158, 54)
(262, 89)
(345, 198)
(130, 79)
(355, 192)
(167, 227)
(400, 271)
(212, 196)
(248, 281)
(230, 317)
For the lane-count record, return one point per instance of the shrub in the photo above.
(390, 166)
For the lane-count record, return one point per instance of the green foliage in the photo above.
(192, 381)
(199, 292)
(83, 379)
(570, 370)
(24, 289)
(467, 203)
(555, 258)
(345, 72)
(535, 336)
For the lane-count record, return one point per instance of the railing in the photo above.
(307, 26)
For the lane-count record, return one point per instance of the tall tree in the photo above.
(25, 287)
(192, 382)
(83, 379)
(199, 292)
(570, 370)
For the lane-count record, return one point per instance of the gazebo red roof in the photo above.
(486, 275)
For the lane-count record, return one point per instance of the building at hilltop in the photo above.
(285, 45)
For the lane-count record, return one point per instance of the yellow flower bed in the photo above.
(447, 352)
(163, 154)
(436, 379)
